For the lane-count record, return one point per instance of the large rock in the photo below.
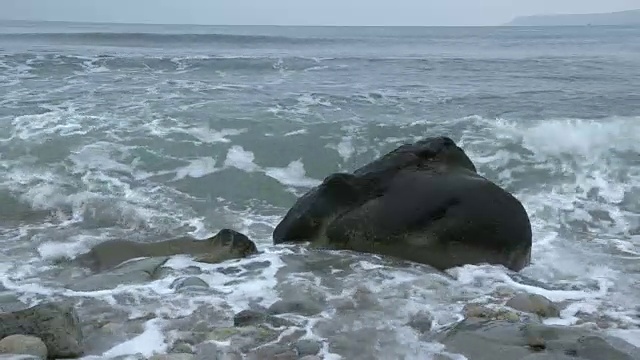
(422, 202)
(55, 324)
(505, 340)
(225, 245)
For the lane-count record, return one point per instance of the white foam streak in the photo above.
(150, 342)
(241, 159)
(293, 175)
(197, 168)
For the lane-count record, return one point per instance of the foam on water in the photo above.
(150, 342)
(143, 138)
(292, 175)
(198, 168)
(239, 158)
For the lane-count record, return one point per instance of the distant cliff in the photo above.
(631, 17)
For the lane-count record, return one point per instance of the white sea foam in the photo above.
(150, 342)
(292, 175)
(197, 168)
(240, 158)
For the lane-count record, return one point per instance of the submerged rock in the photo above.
(55, 324)
(303, 306)
(272, 352)
(534, 304)
(482, 313)
(190, 282)
(307, 347)
(23, 345)
(490, 340)
(252, 317)
(131, 272)
(244, 338)
(225, 245)
(421, 322)
(422, 202)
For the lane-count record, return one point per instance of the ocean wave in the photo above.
(142, 39)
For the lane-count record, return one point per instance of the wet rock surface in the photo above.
(253, 317)
(131, 272)
(23, 345)
(225, 245)
(423, 202)
(56, 324)
(485, 339)
(534, 304)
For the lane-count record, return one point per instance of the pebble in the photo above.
(23, 345)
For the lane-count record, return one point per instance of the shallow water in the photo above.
(148, 132)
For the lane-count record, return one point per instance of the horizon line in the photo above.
(243, 25)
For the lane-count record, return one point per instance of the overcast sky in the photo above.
(301, 12)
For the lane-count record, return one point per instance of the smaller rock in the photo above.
(257, 265)
(307, 347)
(172, 357)
(23, 345)
(301, 307)
(421, 322)
(252, 317)
(131, 272)
(272, 352)
(243, 338)
(187, 283)
(534, 304)
(475, 311)
(206, 350)
(182, 347)
(310, 357)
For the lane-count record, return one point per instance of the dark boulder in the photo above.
(422, 202)
(225, 245)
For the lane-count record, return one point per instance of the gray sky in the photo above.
(301, 12)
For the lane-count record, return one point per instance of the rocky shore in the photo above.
(511, 329)
(316, 300)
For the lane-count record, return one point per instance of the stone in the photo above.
(172, 357)
(225, 245)
(182, 347)
(505, 340)
(310, 357)
(244, 338)
(131, 272)
(272, 352)
(306, 347)
(189, 283)
(57, 325)
(252, 317)
(475, 311)
(297, 306)
(421, 322)
(424, 202)
(206, 350)
(23, 345)
(534, 304)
